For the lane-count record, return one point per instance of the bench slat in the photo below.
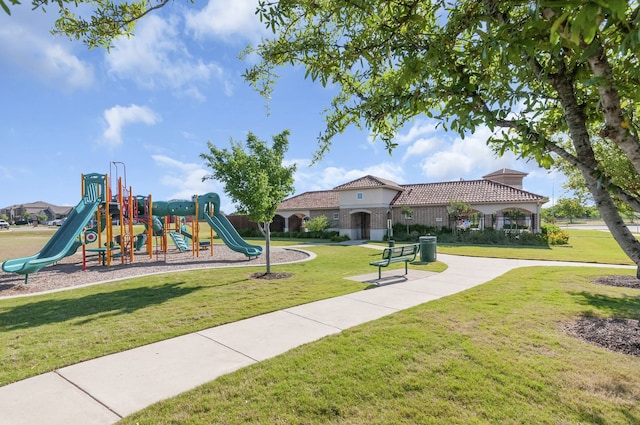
(397, 254)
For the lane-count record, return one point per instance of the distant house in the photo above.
(363, 208)
(35, 209)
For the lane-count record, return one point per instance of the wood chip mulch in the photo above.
(616, 334)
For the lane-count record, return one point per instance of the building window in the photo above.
(359, 195)
(336, 216)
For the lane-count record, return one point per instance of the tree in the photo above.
(457, 210)
(549, 78)
(318, 225)
(105, 21)
(255, 179)
(569, 208)
(548, 215)
(617, 166)
(407, 212)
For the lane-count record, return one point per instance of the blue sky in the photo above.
(155, 100)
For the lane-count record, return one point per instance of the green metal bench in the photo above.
(397, 254)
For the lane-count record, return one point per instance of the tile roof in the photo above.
(468, 191)
(321, 199)
(482, 191)
(368, 182)
(505, 171)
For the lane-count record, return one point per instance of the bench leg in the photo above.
(379, 272)
(406, 268)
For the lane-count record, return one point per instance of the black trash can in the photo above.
(428, 248)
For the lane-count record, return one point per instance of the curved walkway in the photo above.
(103, 390)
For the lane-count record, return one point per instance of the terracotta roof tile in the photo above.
(322, 199)
(368, 182)
(505, 171)
(468, 191)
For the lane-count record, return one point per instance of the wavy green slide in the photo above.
(230, 236)
(62, 243)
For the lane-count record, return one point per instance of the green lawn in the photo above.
(45, 332)
(493, 354)
(588, 246)
(18, 243)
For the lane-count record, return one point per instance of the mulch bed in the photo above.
(615, 334)
(620, 281)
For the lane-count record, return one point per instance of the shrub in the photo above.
(558, 238)
(554, 235)
(318, 224)
(250, 233)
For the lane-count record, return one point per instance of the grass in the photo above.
(493, 354)
(21, 243)
(587, 246)
(42, 333)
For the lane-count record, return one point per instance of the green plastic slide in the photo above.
(62, 243)
(230, 236)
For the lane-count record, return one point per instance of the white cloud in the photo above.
(157, 58)
(185, 178)
(422, 147)
(419, 129)
(465, 158)
(315, 178)
(227, 20)
(119, 116)
(35, 52)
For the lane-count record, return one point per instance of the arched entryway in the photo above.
(361, 225)
(292, 223)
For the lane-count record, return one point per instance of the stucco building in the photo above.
(364, 208)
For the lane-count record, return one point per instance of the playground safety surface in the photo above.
(68, 272)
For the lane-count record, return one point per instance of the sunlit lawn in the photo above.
(590, 246)
(17, 243)
(45, 332)
(493, 354)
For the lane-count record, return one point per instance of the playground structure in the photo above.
(90, 226)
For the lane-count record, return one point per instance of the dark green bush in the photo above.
(250, 233)
(469, 236)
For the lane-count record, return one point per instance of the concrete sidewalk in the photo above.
(103, 390)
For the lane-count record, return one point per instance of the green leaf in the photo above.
(554, 33)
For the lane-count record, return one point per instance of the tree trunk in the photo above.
(612, 108)
(614, 221)
(580, 138)
(267, 234)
